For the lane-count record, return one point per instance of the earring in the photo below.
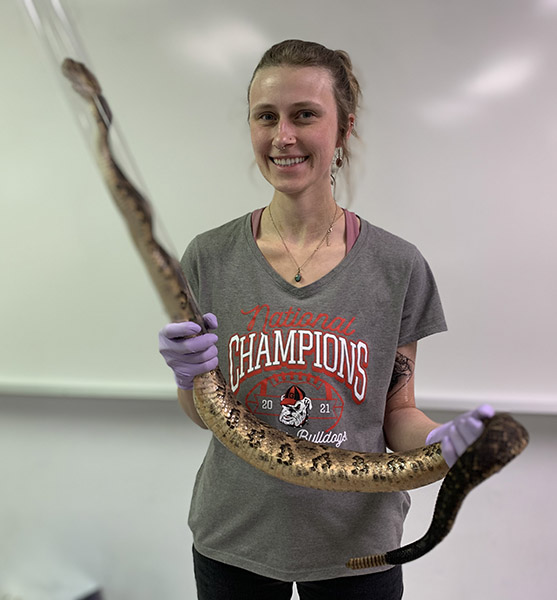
(339, 158)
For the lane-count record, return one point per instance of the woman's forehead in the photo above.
(295, 84)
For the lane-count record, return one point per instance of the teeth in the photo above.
(287, 162)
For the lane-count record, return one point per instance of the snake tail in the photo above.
(368, 562)
(499, 443)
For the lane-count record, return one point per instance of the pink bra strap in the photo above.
(255, 221)
(352, 229)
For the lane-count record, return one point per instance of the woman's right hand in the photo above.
(189, 356)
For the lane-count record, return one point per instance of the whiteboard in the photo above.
(457, 151)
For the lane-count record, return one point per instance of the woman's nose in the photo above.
(284, 135)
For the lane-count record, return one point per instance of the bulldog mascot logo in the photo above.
(295, 407)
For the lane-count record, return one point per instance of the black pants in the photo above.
(219, 581)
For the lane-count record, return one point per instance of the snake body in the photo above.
(269, 449)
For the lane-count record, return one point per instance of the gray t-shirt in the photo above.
(316, 362)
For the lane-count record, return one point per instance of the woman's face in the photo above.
(294, 128)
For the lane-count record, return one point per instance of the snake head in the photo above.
(82, 80)
(88, 87)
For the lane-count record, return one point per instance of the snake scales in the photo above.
(273, 451)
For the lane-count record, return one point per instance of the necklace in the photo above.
(298, 276)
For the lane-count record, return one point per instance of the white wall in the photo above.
(458, 137)
(98, 492)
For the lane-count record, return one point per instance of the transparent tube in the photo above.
(60, 40)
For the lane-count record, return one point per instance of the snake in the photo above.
(271, 450)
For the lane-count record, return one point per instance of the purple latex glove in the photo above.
(456, 435)
(189, 356)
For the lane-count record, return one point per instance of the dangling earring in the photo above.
(339, 160)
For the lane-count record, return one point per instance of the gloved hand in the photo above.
(192, 356)
(456, 435)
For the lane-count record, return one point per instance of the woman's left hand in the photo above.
(456, 435)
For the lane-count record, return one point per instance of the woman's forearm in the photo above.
(185, 398)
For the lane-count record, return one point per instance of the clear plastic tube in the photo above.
(60, 40)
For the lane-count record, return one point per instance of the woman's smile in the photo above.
(288, 161)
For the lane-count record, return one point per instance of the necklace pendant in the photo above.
(298, 277)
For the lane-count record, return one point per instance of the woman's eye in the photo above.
(266, 117)
(307, 114)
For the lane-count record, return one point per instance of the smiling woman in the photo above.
(336, 63)
(294, 140)
(303, 100)
(304, 255)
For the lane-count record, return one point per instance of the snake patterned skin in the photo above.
(269, 449)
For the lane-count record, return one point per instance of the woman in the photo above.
(320, 313)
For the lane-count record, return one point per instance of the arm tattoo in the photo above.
(402, 373)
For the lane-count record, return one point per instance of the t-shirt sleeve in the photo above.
(422, 313)
(190, 266)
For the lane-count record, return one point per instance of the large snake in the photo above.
(269, 449)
